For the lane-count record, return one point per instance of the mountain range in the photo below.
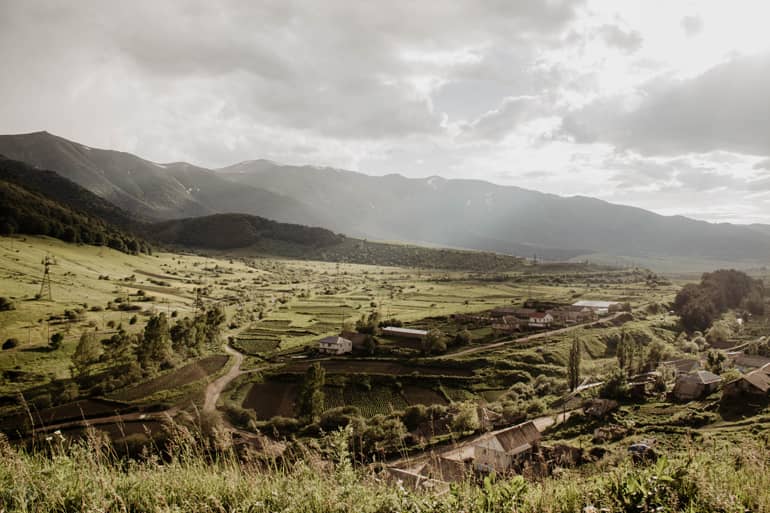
(455, 213)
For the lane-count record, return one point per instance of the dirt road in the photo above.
(528, 338)
(214, 389)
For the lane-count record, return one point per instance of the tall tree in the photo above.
(311, 396)
(86, 353)
(154, 348)
(573, 366)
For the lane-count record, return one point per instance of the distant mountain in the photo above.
(481, 215)
(36, 202)
(761, 228)
(432, 211)
(147, 189)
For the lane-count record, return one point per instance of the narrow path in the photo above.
(528, 338)
(215, 388)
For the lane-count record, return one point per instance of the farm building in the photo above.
(599, 307)
(500, 451)
(571, 315)
(540, 320)
(755, 384)
(746, 362)
(683, 365)
(404, 332)
(695, 385)
(335, 345)
(507, 324)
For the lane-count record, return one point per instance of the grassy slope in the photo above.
(703, 476)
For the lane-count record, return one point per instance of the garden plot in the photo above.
(272, 399)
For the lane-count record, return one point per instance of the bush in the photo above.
(6, 304)
(10, 344)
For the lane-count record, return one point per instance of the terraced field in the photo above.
(378, 367)
(175, 379)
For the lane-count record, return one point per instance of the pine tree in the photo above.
(311, 397)
(573, 366)
(86, 353)
(154, 349)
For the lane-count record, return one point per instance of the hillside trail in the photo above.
(528, 338)
(215, 388)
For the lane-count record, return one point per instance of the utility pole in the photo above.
(46, 283)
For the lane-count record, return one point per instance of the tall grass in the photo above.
(87, 475)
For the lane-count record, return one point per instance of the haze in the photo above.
(657, 105)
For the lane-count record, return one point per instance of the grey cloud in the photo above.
(725, 108)
(692, 25)
(497, 123)
(627, 40)
(337, 69)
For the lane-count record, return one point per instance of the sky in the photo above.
(660, 105)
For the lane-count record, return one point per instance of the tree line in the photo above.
(699, 305)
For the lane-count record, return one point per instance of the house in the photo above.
(507, 324)
(540, 320)
(754, 384)
(695, 385)
(599, 307)
(747, 362)
(578, 314)
(335, 345)
(500, 451)
(404, 332)
(683, 365)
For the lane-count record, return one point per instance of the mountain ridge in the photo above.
(460, 213)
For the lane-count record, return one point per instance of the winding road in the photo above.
(215, 388)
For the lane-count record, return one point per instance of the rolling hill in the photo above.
(148, 189)
(36, 202)
(468, 214)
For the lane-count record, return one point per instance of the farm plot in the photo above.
(272, 399)
(421, 395)
(78, 410)
(119, 431)
(378, 400)
(183, 376)
(378, 367)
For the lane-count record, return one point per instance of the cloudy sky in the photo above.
(662, 105)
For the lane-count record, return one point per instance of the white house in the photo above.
(540, 320)
(335, 345)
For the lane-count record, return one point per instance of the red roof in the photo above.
(539, 315)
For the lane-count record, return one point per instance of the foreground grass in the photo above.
(712, 476)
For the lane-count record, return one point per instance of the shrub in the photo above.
(6, 304)
(10, 344)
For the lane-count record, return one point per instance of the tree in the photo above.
(573, 366)
(434, 342)
(715, 361)
(87, 352)
(154, 348)
(466, 418)
(56, 340)
(311, 396)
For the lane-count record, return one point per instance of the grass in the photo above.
(703, 476)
